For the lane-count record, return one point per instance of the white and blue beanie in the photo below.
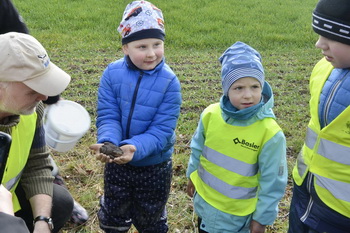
(141, 20)
(240, 61)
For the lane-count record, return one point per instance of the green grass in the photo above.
(81, 37)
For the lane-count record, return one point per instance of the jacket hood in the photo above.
(254, 113)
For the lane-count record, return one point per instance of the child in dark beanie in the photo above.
(138, 107)
(237, 170)
(321, 199)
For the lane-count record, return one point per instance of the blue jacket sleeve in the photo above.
(161, 132)
(109, 116)
(273, 179)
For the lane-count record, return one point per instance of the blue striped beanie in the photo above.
(240, 61)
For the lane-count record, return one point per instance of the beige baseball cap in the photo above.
(24, 59)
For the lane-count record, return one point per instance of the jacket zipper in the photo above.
(330, 99)
(311, 201)
(133, 104)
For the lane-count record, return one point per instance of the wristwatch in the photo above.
(46, 219)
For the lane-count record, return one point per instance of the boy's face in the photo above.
(146, 54)
(245, 92)
(335, 52)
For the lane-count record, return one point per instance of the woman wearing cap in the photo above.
(11, 21)
(28, 77)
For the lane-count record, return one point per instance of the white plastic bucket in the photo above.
(65, 123)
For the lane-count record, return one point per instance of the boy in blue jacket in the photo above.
(138, 107)
(237, 170)
(321, 199)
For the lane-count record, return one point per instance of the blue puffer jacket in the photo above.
(272, 169)
(139, 107)
(335, 96)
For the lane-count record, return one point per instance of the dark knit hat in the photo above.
(240, 61)
(331, 19)
(141, 20)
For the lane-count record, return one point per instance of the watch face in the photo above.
(49, 221)
(50, 224)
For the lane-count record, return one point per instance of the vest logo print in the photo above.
(245, 144)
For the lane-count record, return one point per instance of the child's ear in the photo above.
(125, 49)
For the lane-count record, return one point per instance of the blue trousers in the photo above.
(308, 214)
(135, 195)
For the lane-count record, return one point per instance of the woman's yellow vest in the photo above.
(22, 137)
(227, 176)
(326, 152)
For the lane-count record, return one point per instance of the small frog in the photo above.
(111, 150)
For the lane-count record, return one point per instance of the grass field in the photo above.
(81, 37)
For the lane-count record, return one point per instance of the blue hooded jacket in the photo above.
(272, 166)
(139, 107)
(272, 161)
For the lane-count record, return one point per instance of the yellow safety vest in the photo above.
(227, 176)
(326, 152)
(22, 137)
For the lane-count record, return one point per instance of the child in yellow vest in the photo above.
(237, 168)
(321, 199)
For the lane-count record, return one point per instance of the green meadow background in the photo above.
(81, 37)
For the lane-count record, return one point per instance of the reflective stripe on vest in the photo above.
(227, 175)
(336, 187)
(230, 164)
(333, 152)
(11, 183)
(326, 152)
(234, 192)
(22, 137)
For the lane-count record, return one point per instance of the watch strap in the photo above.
(45, 219)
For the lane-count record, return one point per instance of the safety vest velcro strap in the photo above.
(11, 183)
(230, 191)
(337, 188)
(311, 138)
(334, 151)
(229, 163)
